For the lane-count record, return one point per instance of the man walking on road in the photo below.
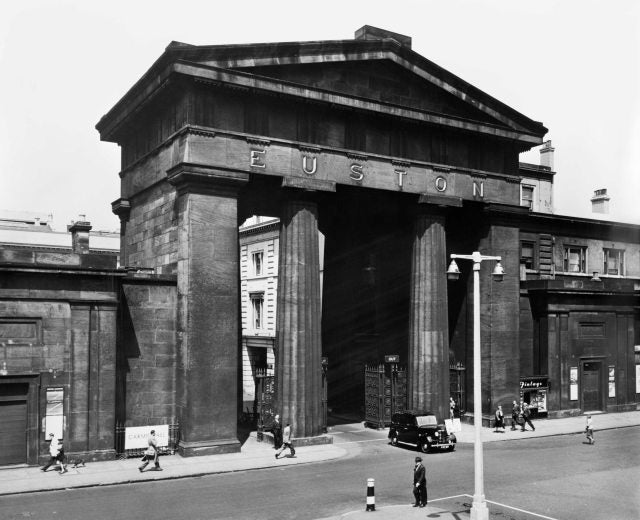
(56, 453)
(515, 412)
(286, 442)
(151, 453)
(419, 484)
(526, 412)
(276, 429)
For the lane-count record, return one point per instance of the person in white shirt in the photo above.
(589, 430)
(286, 442)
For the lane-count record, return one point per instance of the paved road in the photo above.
(558, 477)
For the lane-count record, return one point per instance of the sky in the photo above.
(573, 65)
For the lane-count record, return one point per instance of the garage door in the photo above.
(13, 432)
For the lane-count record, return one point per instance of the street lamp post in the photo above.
(479, 509)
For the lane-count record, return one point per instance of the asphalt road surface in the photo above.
(556, 477)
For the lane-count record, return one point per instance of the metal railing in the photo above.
(170, 449)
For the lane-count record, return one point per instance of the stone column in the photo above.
(428, 370)
(500, 312)
(298, 355)
(208, 308)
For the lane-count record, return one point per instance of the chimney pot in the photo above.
(546, 155)
(600, 201)
(80, 235)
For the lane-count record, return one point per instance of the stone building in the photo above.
(397, 163)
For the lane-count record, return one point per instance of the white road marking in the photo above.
(496, 503)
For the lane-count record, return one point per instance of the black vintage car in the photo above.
(420, 429)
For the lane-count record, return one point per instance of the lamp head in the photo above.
(498, 272)
(453, 273)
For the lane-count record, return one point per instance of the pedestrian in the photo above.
(276, 429)
(499, 419)
(589, 430)
(452, 408)
(286, 442)
(515, 414)
(526, 413)
(151, 454)
(55, 447)
(419, 484)
(60, 457)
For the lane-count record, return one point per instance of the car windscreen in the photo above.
(427, 420)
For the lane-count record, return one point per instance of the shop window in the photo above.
(526, 196)
(527, 254)
(613, 262)
(257, 306)
(54, 413)
(257, 258)
(575, 259)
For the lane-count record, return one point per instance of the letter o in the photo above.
(441, 184)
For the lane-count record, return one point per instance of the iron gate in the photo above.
(385, 393)
(266, 398)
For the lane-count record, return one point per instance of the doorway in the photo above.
(592, 386)
(13, 424)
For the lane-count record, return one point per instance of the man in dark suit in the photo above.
(419, 484)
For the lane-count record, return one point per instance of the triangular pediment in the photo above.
(379, 73)
(380, 69)
(379, 80)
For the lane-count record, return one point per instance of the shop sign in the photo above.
(531, 383)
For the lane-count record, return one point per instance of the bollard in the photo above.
(371, 495)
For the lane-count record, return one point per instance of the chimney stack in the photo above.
(546, 155)
(600, 201)
(80, 235)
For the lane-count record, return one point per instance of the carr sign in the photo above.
(136, 437)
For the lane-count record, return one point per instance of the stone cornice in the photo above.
(122, 208)
(198, 178)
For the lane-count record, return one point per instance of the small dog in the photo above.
(74, 463)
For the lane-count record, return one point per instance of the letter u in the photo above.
(305, 169)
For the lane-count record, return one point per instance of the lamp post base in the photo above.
(479, 510)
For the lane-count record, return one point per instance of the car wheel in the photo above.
(394, 439)
(424, 447)
(452, 447)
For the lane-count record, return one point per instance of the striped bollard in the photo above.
(371, 495)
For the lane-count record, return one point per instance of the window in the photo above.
(257, 305)
(613, 262)
(575, 259)
(526, 196)
(257, 260)
(527, 254)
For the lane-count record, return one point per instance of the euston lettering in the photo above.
(306, 169)
(356, 172)
(256, 159)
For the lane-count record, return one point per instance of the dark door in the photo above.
(591, 386)
(13, 436)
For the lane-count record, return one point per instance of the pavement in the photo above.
(260, 455)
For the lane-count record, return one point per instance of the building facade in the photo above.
(397, 163)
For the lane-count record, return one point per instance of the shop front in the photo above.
(534, 391)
